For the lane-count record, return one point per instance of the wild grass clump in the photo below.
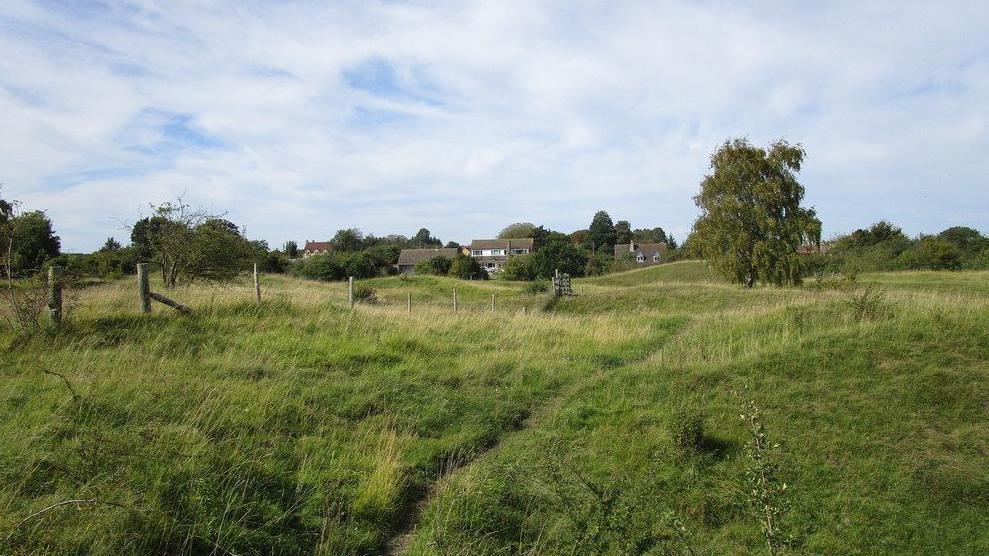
(868, 304)
(536, 287)
(365, 295)
(686, 426)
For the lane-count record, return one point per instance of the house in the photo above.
(492, 254)
(641, 253)
(409, 258)
(316, 248)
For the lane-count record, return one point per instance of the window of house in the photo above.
(476, 252)
(519, 251)
(489, 265)
(655, 258)
(496, 251)
(640, 259)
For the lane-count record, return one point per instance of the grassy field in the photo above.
(299, 426)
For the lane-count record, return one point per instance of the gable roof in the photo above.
(415, 256)
(520, 243)
(315, 246)
(648, 250)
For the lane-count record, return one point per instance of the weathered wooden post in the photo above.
(144, 287)
(454, 300)
(492, 302)
(55, 293)
(257, 284)
(410, 302)
(350, 290)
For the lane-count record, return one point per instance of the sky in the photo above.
(297, 119)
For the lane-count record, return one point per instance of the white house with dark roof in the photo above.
(492, 254)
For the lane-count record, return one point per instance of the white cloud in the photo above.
(474, 115)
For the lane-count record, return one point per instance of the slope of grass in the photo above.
(299, 426)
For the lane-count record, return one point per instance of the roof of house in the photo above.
(520, 243)
(647, 249)
(415, 256)
(317, 246)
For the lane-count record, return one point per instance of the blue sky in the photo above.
(300, 118)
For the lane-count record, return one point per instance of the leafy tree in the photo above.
(350, 239)
(452, 245)
(517, 230)
(542, 235)
(601, 235)
(291, 249)
(518, 268)
(751, 220)
(466, 268)
(562, 255)
(623, 232)
(110, 245)
(423, 239)
(938, 254)
(672, 242)
(321, 267)
(579, 237)
(27, 240)
(358, 265)
(438, 265)
(649, 235)
(965, 238)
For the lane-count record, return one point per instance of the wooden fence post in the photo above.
(55, 293)
(454, 300)
(257, 284)
(410, 302)
(492, 302)
(144, 287)
(350, 290)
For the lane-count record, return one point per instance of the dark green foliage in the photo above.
(110, 245)
(599, 263)
(686, 428)
(31, 240)
(542, 235)
(101, 264)
(437, 266)
(291, 249)
(517, 230)
(559, 255)
(536, 287)
(751, 220)
(365, 294)
(623, 231)
(321, 267)
(350, 239)
(518, 268)
(466, 268)
(653, 235)
(601, 234)
(424, 239)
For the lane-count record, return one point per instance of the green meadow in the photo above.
(543, 426)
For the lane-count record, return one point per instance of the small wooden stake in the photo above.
(257, 284)
(492, 302)
(410, 302)
(454, 300)
(350, 290)
(144, 287)
(55, 294)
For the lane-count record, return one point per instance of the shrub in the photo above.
(559, 255)
(598, 264)
(686, 428)
(868, 304)
(321, 267)
(467, 268)
(538, 287)
(365, 294)
(437, 266)
(518, 268)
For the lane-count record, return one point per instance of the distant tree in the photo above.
(27, 241)
(350, 239)
(579, 237)
(452, 245)
(517, 230)
(672, 242)
(599, 263)
(110, 244)
(751, 220)
(423, 239)
(965, 238)
(559, 255)
(466, 268)
(321, 267)
(938, 254)
(542, 235)
(519, 267)
(623, 232)
(601, 234)
(649, 235)
(291, 249)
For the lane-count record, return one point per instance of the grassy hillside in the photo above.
(299, 426)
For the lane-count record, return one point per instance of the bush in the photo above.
(559, 255)
(686, 428)
(365, 294)
(467, 268)
(598, 264)
(437, 266)
(321, 267)
(518, 268)
(534, 288)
